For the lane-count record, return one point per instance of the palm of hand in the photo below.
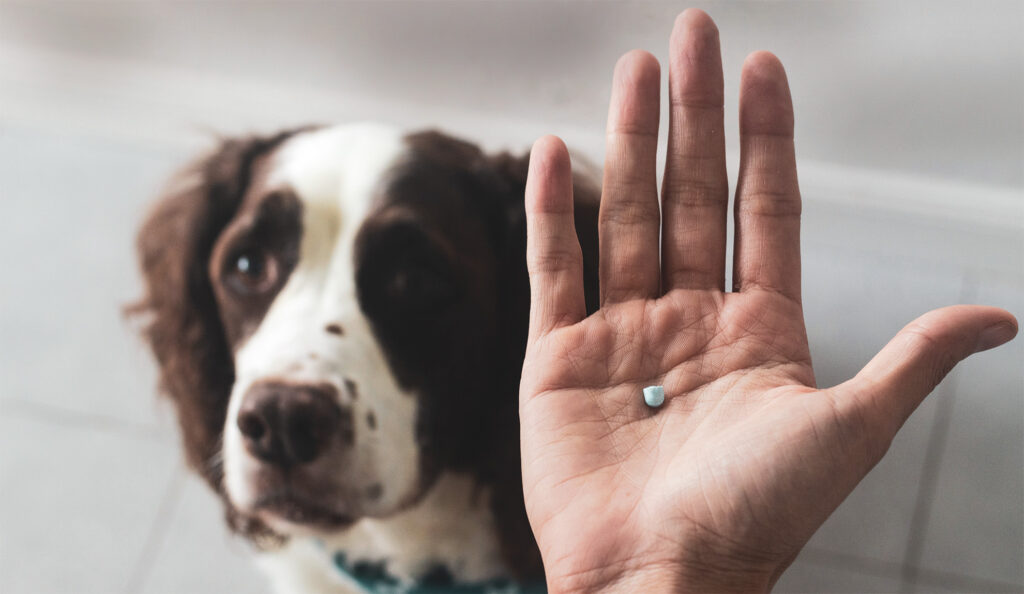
(737, 369)
(720, 487)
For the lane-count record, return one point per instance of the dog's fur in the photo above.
(381, 277)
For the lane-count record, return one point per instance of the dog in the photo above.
(339, 315)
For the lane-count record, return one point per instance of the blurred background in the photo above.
(910, 138)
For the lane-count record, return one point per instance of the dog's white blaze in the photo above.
(335, 172)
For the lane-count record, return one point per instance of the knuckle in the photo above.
(554, 260)
(628, 130)
(769, 203)
(629, 214)
(628, 183)
(938, 357)
(697, 99)
(767, 286)
(695, 191)
(700, 277)
(624, 275)
(922, 337)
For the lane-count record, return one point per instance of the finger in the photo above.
(695, 193)
(553, 255)
(767, 212)
(907, 369)
(629, 220)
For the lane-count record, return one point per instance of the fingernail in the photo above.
(995, 335)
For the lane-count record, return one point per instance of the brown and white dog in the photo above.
(339, 315)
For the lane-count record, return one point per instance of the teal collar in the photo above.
(374, 578)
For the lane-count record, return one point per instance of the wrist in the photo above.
(692, 580)
(731, 576)
(702, 573)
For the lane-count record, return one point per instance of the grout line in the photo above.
(926, 489)
(49, 413)
(892, 569)
(912, 571)
(157, 533)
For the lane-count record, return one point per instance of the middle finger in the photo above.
(695, 194)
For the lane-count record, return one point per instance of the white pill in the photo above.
(654, 396)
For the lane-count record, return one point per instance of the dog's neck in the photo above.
(450, 534)
(452, 526)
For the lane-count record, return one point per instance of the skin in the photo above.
(720, 488)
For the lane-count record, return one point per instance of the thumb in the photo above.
(907, 369)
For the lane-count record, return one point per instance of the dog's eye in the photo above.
(418, 287)
(252, 272)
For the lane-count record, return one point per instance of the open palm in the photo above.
(719, 488)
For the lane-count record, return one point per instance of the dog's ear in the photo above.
(586, 201)
(181, 320)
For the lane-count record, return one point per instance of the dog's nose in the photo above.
(288, 424)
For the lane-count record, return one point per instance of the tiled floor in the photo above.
(178, 565)
(79, 502)
(94, 497)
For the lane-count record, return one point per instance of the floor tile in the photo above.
(976, 526)
(810, 575)
(198, 555)
(947, 583)
(78, 505)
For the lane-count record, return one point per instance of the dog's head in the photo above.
(339, 314)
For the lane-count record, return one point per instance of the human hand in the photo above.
(719, 488)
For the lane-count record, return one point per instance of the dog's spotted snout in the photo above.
(291, 424)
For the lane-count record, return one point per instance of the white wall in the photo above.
(932, 88)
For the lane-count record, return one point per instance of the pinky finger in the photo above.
(553, 255)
